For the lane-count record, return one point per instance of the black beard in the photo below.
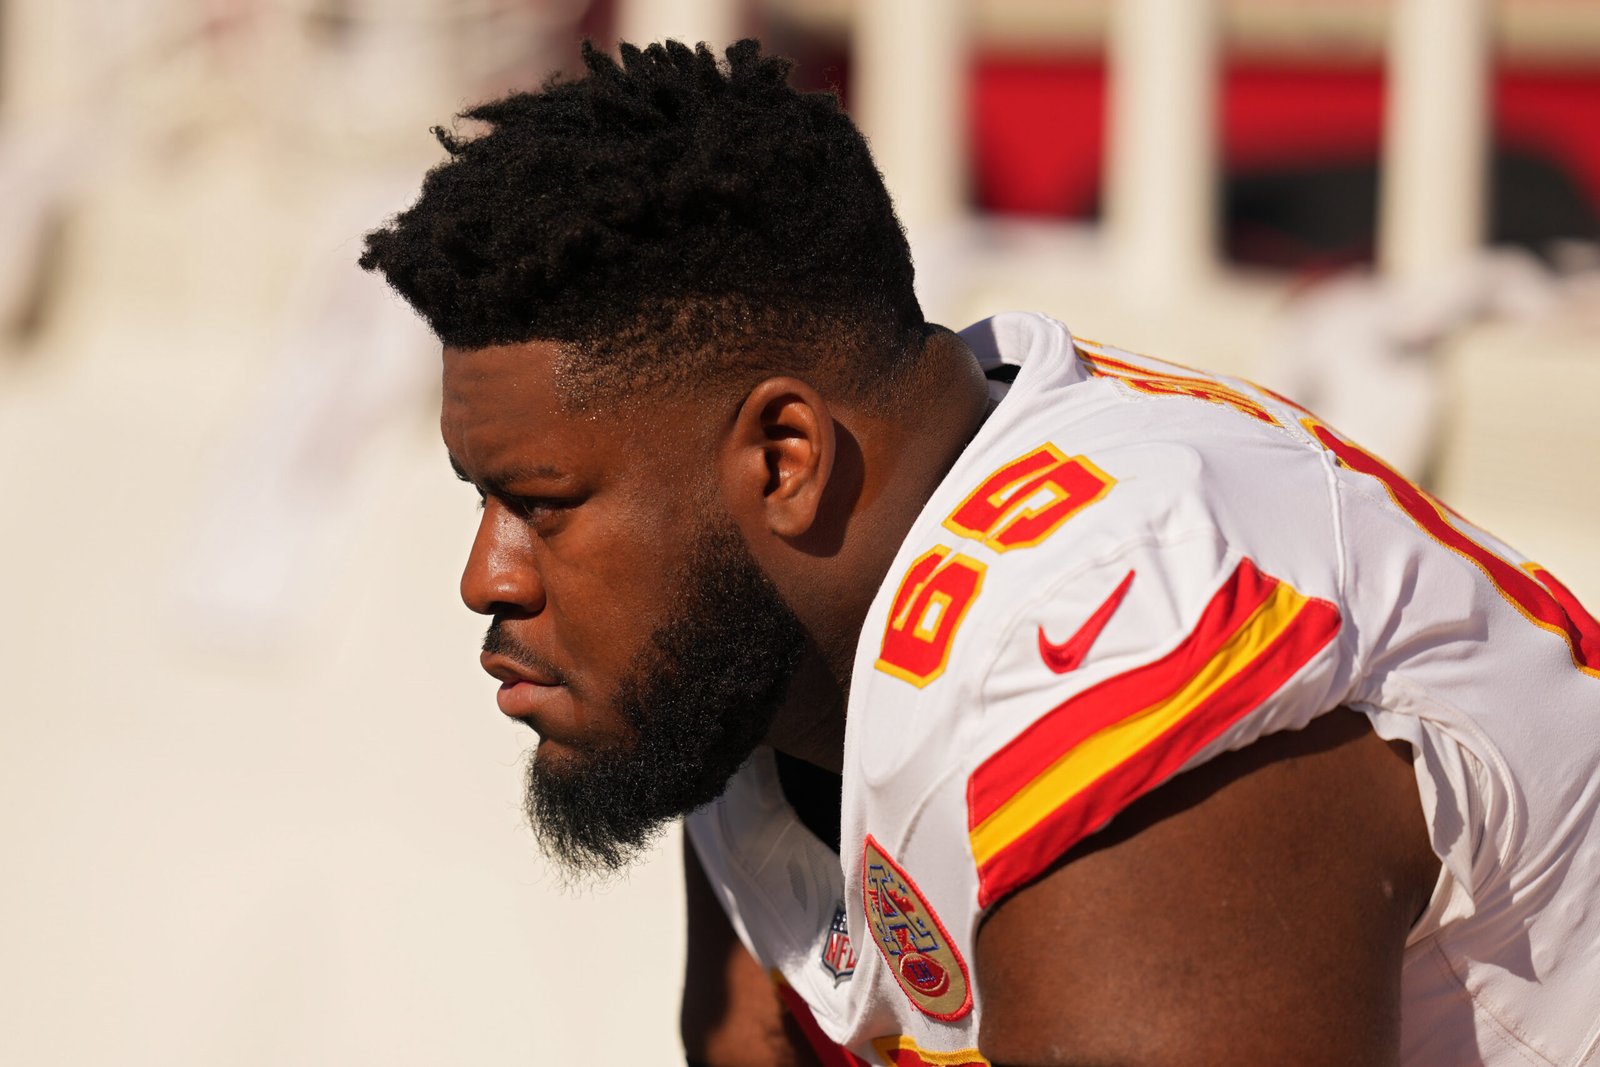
(700, 697)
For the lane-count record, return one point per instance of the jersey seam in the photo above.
(1348, 635)
(1512, 854)
(1506, 1034)
(1591, 1048)
(1289, 429)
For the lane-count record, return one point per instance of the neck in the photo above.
(890, 465)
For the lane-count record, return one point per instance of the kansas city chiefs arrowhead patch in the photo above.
(911, 938)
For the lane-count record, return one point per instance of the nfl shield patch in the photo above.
(838, 958)
(911, 938)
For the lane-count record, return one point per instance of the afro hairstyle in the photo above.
(670, 221)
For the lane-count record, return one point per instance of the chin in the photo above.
(561, 759)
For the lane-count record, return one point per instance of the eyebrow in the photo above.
(500, 482)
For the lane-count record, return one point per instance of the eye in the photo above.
(534, 509)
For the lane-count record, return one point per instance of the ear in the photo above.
(779, 456)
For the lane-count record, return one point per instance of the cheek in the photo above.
(610, 599)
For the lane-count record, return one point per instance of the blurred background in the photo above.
(256, 804)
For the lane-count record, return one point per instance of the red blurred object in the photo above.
(1038, 132)
(1038, 124)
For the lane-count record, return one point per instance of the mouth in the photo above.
(524, 692)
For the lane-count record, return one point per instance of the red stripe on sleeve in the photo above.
(1078, 816)
(911, 1057)
(1538, 601)
(1058, 731)
(829, 1052)
(1588, 629)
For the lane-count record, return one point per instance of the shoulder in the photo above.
(1064, 500)
(1096, 599)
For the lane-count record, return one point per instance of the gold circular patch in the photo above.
(912, 940)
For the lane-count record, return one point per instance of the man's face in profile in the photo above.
(631, 627)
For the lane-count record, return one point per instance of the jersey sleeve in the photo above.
(1119, 675)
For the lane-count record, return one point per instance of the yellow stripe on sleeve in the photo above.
(1081, 766)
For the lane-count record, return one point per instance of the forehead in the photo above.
(505, 407)
(494, 398)
(484, 381)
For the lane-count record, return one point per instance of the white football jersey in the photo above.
(1134, 567)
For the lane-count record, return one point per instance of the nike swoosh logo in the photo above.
(1070, 654)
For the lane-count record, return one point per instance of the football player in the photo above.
(1030, 701)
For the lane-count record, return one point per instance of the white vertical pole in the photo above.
(1435, 137)
(716, 22)
(48, 61)
(1161, 182)
(908, 64)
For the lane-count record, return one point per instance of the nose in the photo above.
(501, 577)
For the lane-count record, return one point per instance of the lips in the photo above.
(525, 700)
(524, 693)
(509, 672)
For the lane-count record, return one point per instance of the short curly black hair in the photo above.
(671, 220)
